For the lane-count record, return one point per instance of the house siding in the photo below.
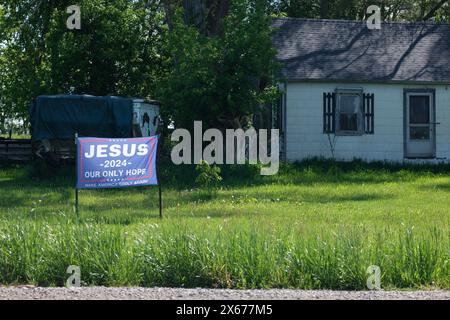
(304, 123)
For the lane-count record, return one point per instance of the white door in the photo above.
(420, 123)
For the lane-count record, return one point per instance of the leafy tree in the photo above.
(395, 10)
(213, 61)
(220, 79)
(117, 51)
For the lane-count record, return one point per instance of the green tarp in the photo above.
(61, 116)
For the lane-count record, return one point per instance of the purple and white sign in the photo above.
(116, 163)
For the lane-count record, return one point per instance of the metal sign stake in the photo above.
(76, 189)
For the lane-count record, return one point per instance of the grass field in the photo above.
(316, 225)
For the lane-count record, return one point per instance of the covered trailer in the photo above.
(55, 120)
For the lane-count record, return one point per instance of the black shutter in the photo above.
(368, 99)
(329, 111)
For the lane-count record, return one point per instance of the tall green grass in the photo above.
(222, 256)
(316, 225)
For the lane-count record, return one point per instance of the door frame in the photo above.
(433, 121)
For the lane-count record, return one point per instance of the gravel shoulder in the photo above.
(103, 293)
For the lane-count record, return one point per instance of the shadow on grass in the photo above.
(20, 187)
(305, 172)
(361, 197)
(438, 186)
(291, 196)
(197, 204)
(20, 196)
(308, 172)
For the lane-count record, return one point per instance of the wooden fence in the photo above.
(15, 149)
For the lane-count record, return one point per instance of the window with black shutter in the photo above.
(348, 112)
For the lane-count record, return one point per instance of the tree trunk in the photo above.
(217, 10)
(324, 9)
(2, 123)
(206, 15)
(194, 13)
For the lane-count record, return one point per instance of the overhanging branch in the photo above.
(431, 13)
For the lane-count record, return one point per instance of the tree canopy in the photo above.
(209, 60)
(117, 51)
(220, 79)
(392, 10)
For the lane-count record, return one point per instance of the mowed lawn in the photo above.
(315, 225)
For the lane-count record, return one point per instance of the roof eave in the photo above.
(406, 82)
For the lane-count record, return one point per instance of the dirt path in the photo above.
(13, 293)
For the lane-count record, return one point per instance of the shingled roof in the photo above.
(335, 50)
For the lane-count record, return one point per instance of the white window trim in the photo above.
(360, 119)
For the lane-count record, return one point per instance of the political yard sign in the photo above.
(116, 163)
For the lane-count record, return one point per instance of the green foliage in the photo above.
(125, 48)
(117, 51)
(220, 80)
(208, 176)
(246, 256)
(392, 10)
(242, 173)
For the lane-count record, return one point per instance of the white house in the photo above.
(352, 92)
